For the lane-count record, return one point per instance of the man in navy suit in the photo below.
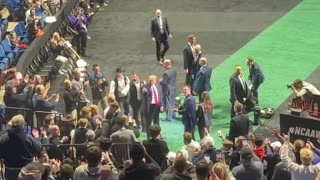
(256, 77)
(188, 111)
(168, 83)
(239, 91)
(188, 58)
(153, 107)
(239, 124)
(160, 33)
(202, 82)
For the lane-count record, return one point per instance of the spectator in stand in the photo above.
(180, 167)
(92, 170)
(259, 149)
(109, 123)
(239, 124)
(55, 139)
(204, 114)
(120, 87)
(54, 6)
(86, 113)
(70, 98)
(190, 145)
(66, 172)
(123, 135)
(235, 155)
(220, 171)
(42, 104)
(105, 145)
(79, 22)
(80, 133)
(207, 151)
(98, 85)
(57, 47)
(251, 167)
(202, 170)
(34, 170)
(274, 158)
(143, 166)
(157, 148)
(34, 25)
(97, 120)
(17, 148)
(129, 124)
(304, 171)
(79, 85)
(39, 10)
(15, 41)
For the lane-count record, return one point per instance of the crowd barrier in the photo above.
(38, 45)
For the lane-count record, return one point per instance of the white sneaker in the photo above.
(88, 37)
(60, 72)
(105, 4)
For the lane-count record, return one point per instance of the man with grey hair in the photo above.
(17, 148)
(42, 104)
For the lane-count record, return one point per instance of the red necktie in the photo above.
(155, 96)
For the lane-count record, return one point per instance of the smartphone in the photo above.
(207, 158)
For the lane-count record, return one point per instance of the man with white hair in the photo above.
(274, 158)
(17, 148)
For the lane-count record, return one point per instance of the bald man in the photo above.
(239, 91)
(160, 33)
(168, 83)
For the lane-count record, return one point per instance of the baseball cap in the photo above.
(246, 153)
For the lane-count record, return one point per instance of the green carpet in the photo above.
(287, 50)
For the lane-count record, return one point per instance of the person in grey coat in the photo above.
(168, 83)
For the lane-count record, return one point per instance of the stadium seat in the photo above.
(4, 63)
(9, 49)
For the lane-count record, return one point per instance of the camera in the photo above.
(289, 86)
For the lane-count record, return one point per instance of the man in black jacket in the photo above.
(70, 97)
(239, 124)
(136, 95)
(140, 169)
(256, 77)
(188, 58)
(17, 148)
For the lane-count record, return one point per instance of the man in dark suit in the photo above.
(195, 65)
(188, 58)
(239, 124)
(152, 93)
(239, 91)
(160, 33)
(135, 94)
(169, 90)
(202, 82)
(256, 77)
(188, 111)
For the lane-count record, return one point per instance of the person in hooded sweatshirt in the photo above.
(250, 168)
(180, 166)
(140, 169)
(17, 148)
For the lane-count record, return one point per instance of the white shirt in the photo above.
(242, 82)
(160, 24)
(123, 89)
(308, 87)
(153, 87)
(137, 84)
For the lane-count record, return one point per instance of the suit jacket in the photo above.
(188, 58)
(148, 97)
(239, 126)
(169, 82)
(256, 76)
(42, 105)
(70, 100)
(237, 93)
(196, 66)
(188, 112)
(155, 28)
(123, 135)
(202, 82)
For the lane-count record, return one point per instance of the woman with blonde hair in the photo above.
(204, 114)
(220, 171)
(110, 98)
(57, 48)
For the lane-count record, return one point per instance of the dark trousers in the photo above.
(81, 41)
(124, 104)
(189, 79)
(254, 91)
(189, 129)
(163, 39)
(152, 117)
(136, 111)
(12, 174)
